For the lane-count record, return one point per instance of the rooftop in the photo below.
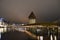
(31, 16)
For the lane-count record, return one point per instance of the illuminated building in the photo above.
(43, 30)
(32, 18)
(3, 25)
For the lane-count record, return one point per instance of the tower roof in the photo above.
(32, 16)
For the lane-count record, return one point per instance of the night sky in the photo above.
(19, 10)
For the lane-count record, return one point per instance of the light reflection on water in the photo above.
(51, 38)
(41, 37)
(55, 37)
(0, 35)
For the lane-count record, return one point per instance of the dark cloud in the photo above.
(19, 10)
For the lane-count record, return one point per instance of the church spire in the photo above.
(32, 16)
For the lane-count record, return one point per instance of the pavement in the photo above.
(16, 35)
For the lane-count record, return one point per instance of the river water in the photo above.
(0, 35)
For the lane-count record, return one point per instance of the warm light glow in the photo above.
(41, 37)
(1, 30)
(55, 37)
(31, 21)
(21, 29)
(41, 26)
(38, 30)
(22, 24)
(5, 29)
(51, 37)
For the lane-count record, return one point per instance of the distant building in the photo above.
(32, 18)
(32, 22)
(3, 25)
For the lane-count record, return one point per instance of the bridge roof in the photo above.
(47, 24)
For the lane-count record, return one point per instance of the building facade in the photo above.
(3, 25)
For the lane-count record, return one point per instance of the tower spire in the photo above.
(32, 18)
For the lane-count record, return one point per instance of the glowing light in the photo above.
(22, 24)
(38, 30)
(0, 35)
(51, 37)
(1, 30)
(31, 21)
(41, 37)
(55, 37)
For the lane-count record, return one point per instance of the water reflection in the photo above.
(0, 35)
(41, 37)
(42, 33)
(51, 37)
